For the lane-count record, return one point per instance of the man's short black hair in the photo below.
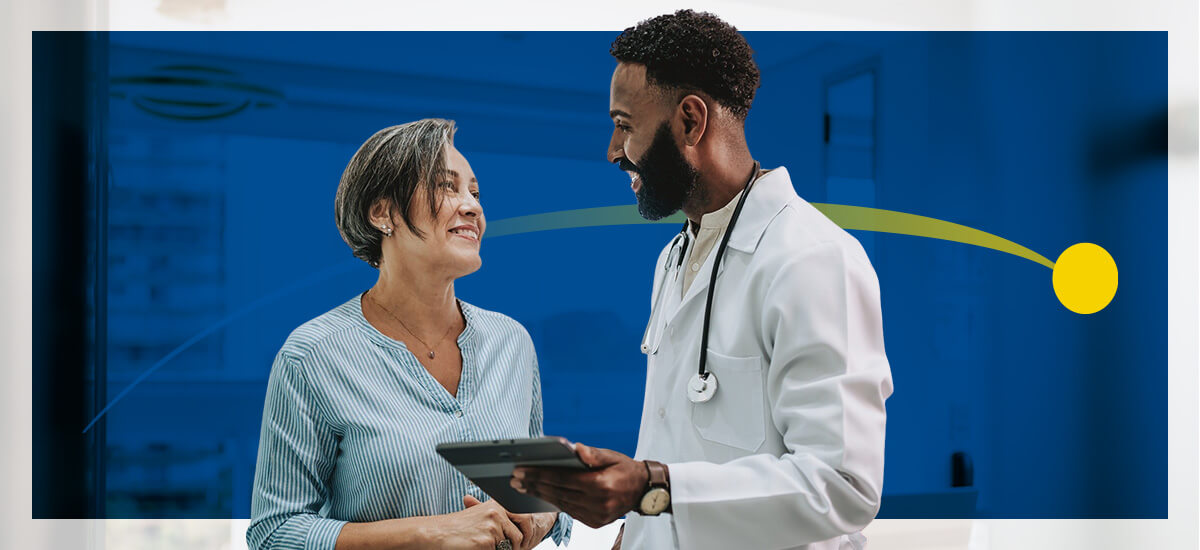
(691, 51)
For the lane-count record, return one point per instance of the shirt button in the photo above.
(457, 414)
(662, 413)
(695, 267)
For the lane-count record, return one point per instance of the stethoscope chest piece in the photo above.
(701, 389)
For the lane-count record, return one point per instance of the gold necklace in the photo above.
(414, 335)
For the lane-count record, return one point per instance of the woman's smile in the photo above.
(466, 231)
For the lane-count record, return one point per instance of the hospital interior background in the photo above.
(223, 152)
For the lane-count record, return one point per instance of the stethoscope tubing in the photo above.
(679, 246)
(712, 282)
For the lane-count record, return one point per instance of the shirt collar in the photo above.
(719, 219)
(464, 339)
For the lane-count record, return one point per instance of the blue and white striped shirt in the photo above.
(352, 418)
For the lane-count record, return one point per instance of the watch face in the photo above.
(655, 501)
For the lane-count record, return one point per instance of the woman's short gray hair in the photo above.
(393, 164)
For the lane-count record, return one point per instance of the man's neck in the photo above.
(720, 183)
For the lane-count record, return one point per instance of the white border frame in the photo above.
(1178, 17)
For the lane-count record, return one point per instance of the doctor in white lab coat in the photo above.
(787, 452)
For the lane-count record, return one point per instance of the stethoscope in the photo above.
(703, 385)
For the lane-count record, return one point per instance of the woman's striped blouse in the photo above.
(352, 418)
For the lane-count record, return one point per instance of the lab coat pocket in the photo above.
(734, 416)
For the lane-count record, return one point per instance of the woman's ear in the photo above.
(381, 216)
(694, 112)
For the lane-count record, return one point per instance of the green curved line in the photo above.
(566, 219)
(846, 216)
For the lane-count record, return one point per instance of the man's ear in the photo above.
(694, 112)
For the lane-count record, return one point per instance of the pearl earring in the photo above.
(387, 231)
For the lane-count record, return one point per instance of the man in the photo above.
(780, 443)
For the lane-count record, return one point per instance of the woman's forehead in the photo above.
(457, 165)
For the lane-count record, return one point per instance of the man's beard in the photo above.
(668, 180)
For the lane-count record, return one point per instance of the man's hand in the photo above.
(597, 497)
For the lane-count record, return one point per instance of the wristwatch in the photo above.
(658, 493)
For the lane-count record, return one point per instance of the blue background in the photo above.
(1046, 139)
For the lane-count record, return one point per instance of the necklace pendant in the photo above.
(431, 354)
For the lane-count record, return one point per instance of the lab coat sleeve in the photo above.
(826, 381)
(561, 532)
(296, 457)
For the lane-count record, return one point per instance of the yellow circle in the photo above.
(1085, 278)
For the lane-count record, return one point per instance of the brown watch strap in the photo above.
(659, 476)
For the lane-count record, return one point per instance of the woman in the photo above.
(359, 397)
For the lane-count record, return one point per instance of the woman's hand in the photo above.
(534, 527)
(479, 527)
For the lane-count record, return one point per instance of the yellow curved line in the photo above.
(890, 221)
(846, 216)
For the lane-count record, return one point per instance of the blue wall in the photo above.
(1046, 139)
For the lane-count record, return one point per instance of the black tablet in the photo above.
(489, 464)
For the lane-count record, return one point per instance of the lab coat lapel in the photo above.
(699, 286)
(770, 194)
(671, 302)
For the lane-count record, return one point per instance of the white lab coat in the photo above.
(789, 451)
